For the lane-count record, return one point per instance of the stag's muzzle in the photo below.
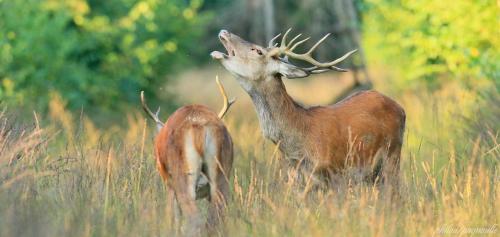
(225, 38)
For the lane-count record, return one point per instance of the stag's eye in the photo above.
(257, 50)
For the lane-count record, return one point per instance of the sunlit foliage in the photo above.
(93, 53)
(434, 40)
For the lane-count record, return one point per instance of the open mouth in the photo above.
(227, 45)
(223, 38)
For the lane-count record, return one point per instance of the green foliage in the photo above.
(93, 53)
(431, 39)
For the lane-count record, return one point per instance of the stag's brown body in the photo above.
(356, 131)
(364, 130)
(359, 126)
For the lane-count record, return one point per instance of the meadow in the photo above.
(61, 174)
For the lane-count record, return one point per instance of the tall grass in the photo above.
(60, 175)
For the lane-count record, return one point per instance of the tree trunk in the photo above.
(269, 19)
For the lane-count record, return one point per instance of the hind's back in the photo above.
(191, 128)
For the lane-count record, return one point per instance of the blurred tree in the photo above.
(432, 40)
(94, 53)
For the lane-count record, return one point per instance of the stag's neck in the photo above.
(281, 118)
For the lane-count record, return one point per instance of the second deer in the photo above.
(194, 155)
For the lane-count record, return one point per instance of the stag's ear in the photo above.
(290, 71)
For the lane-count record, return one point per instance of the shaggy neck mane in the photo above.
(279, 115)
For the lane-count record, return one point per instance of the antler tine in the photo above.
(299, 43)
(338, 60)
(316, 70)
(318, 67)
(154, 116)
(227, 103)
(317, 43)
(283, 46)
(293, 40)
(271, 42)
(283, 40)
(307, 57)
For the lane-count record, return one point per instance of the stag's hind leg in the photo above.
(181, 201)
(218, 157)
(192, 223)
(186, 186)
(391, 168)
(386, 172)
(219, 195)
(173, 211)
(385, 166)
(184, 199)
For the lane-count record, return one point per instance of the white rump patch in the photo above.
(210, 156)
(193, 163)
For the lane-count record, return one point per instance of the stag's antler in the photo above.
(271, 43)
(227, 103)
(318, 67)
(154, 116)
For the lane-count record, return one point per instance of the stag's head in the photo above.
(252, 62)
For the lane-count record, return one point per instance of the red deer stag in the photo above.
(364, 130)
(194, 155)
